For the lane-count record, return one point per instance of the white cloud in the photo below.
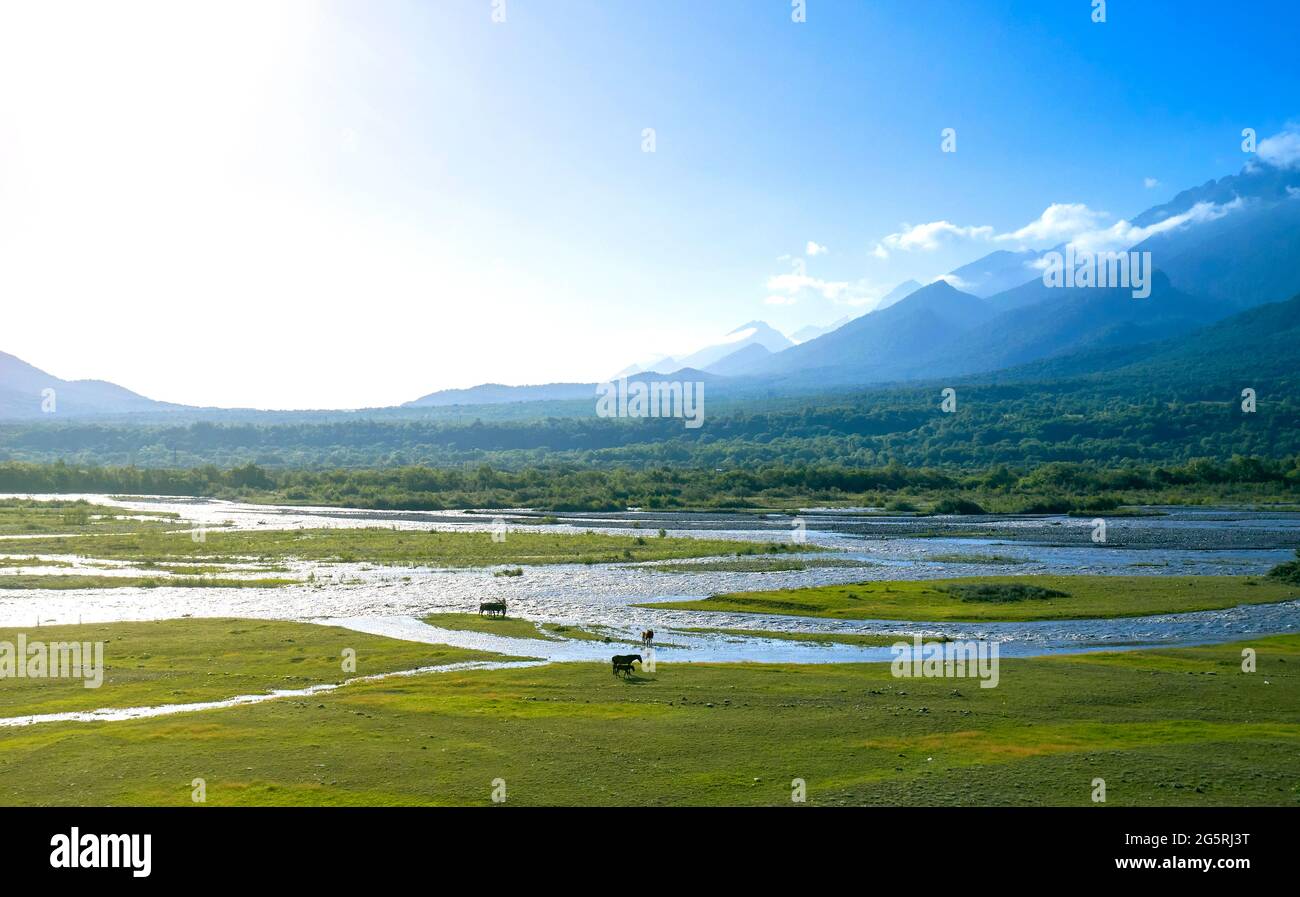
(862, 293)
(1059, 221)
(1123, 235)
(815, 249)
(929, 237)
(792, 284)
(1150, 183)
(1282, 150)
(788, 289)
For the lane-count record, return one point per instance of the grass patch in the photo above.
(1001, 592)
(393, 546)
(757, 565)
(992, 559)
(578, 633)
(514, 627)
(1173, 727)
(861, 640)
(21, 516)
(1077, 597)
(63, 582)
(31, 562)
(510, 627)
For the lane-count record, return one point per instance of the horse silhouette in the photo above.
(622, 663)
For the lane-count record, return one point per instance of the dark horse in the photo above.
(622, 663)
(492, 607)
(647, 637)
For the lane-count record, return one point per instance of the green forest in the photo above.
(1015, 424)
(1059, 487)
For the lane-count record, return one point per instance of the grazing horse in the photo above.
(492, 607)
(622, 663)
(647, 637)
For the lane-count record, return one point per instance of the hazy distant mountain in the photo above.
(22, 393)
(996, 272)
(667, 363)
(878, 345)
(812, 331)
(897, 294)
(743, 361)
(753, 333)
(499, 393)
(494, 393)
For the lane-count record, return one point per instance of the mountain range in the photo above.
(1227, 246)
(27, 391)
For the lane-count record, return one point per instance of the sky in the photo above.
(343, 204)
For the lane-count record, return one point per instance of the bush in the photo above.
(1288, 572)
(954, 505)
(1002, 593)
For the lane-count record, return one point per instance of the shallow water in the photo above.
(391, 600)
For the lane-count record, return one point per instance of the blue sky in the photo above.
(449, 200)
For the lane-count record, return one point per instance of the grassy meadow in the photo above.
(1180, 726)
(192, 660)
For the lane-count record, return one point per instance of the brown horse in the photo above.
(648, 637)
(492, 607)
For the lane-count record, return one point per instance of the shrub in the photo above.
(954, 505)
(1288, 572)
(1002, 593)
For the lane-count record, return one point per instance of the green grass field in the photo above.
(391, 546)
(1162, 727)
(1085, 597)
(190, 660)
